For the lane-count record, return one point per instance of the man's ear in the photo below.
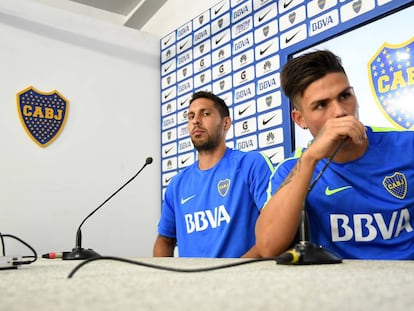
(298, 118)
(227, 123)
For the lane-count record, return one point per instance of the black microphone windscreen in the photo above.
(148, 160)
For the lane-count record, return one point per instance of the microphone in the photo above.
(306, 252)
(78, 252)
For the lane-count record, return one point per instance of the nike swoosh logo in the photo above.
(182, 45)
(329, 192)
(166, 95)
(264, 51)
(218, 10)
(286, 4)
(271, 156)
(168, 40)
(183, 201)
(264, 15)
(243, 111)
(218, 40)
(268, 120)
(166, 69)
(287, 40)
(184, 160)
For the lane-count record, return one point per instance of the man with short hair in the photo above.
(210, 208)
(362, 206)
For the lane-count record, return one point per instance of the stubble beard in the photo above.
(210, 144)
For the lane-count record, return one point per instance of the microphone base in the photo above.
(307, 253)
(79, 254)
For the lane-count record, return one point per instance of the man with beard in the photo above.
(210, 208)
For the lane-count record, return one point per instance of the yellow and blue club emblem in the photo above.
(223, 187)
(42, 114)
(391, 75)
(396, 185)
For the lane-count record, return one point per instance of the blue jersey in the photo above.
(212, 213)
(364, 209)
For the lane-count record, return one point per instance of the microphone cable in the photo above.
(165, 268)
(288, 257)
(328, 162)
(296, 254)
(33, 257)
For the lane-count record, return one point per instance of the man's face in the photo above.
(207, 128)
(326, 98)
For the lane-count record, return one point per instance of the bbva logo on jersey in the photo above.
(391, 75)
(42, 114)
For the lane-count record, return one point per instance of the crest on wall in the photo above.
(42, 114)
(391, 72)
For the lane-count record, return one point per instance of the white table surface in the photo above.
(111, 285)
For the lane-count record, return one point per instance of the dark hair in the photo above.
(299, 72)
(219, 103)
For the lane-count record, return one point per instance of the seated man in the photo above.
(362, 206)
(211, 207)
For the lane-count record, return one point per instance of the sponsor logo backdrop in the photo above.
(236, 49)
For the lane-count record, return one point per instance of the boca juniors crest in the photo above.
(391, 75)
(43, 114)
(223, 187)
(396, 185)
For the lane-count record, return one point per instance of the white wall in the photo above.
(110, 75)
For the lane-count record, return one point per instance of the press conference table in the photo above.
(112, 285)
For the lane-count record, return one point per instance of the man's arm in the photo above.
(251, 253)
(278, 221)
(260, 171)
(164, 247)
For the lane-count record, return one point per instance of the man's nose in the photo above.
(196, 120)
(339, 109)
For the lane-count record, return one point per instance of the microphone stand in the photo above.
(78, 252)
(306, 252)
